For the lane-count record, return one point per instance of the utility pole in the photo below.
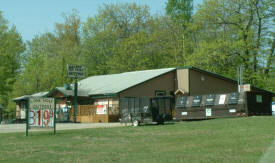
(240, 77)
(75, 99)
(75, 72)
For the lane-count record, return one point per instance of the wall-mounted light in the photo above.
(202, 78)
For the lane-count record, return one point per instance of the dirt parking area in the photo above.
(10, 128)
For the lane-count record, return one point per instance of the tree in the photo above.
(11, 46)
(180, 10)
(235, 33)
(49, 54)
(104, 33)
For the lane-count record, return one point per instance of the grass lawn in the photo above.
(217, 140)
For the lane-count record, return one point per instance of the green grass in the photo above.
(217, 140)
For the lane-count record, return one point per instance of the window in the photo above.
(259, 98)
(160, 93)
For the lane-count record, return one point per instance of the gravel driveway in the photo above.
(9, 128)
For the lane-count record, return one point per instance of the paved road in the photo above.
(9, 128)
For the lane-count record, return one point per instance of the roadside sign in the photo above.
(40, 113)
(76, 71)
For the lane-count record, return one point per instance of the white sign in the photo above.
(76, 71)
(232, 110)
(22, 113)
(102, 102)
(245, 88)
(222, 99)
(101, 109)
(183, 113)
(208, 112)
(41, 112)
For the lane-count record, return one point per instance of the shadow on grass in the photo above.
(155, 124)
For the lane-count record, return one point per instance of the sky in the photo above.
(34, 17)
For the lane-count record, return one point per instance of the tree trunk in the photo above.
(270, 57)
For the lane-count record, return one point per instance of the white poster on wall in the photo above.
(102, 102)
(208, 112)
(23, 113)
(222, 99)
(183, 113)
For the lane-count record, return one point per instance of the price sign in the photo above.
(41, 112)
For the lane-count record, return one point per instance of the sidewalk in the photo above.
(10, 128)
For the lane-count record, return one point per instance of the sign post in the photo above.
(75, 100)
(76, 71)
(40, 113)
(27, 117)
(54, 118)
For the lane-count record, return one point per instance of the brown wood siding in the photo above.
(165, 82)
(182, 80)
(87, 113)
(210, 84)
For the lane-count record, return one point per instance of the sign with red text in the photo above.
(101, 109)
(41, 112)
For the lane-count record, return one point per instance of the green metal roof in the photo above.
(110, 85)
(39, 94)
(115, 83)
(70, 92)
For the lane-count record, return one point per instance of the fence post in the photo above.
(108, 111)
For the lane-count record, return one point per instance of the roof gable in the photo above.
(223, 78)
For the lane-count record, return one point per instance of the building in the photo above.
(21, 103)
(100, 94)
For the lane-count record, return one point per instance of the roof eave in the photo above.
(57, 89)
(106, 95)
